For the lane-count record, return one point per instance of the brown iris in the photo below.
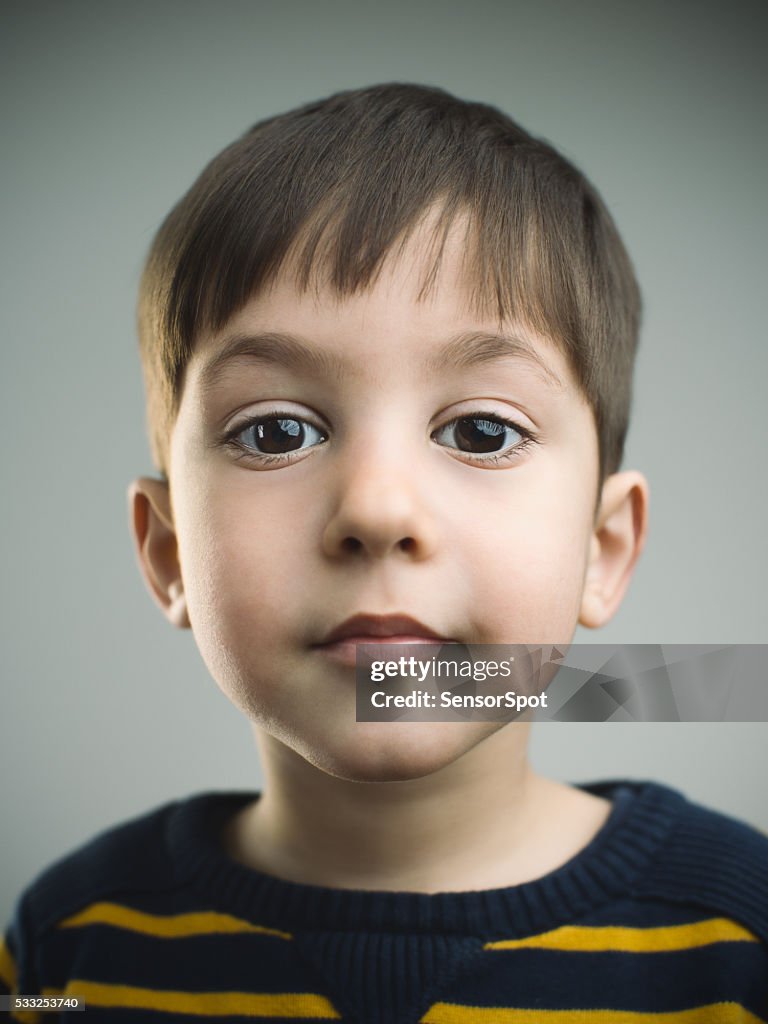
(473, 434)
(275, 436)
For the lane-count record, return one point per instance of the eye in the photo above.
(276, 435)
(489, 438)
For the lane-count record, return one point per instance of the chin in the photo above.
(395, 751)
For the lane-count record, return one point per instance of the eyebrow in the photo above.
(479, 347)
(269, 348)
(461, 352)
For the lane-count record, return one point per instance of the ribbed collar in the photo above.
(611, 865)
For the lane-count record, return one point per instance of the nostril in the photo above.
(352, 545)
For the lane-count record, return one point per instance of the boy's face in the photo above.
(379, 456)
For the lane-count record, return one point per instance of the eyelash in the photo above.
(242, 452)
(511, 454)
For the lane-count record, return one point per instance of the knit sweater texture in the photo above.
(661, 919)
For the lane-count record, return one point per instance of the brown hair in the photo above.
(333, 185)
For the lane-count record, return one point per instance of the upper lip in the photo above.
(380, 626)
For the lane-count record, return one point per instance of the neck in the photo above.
(485, 821)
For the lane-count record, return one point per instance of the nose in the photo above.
(381, 509)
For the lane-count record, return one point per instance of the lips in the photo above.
(382, 630)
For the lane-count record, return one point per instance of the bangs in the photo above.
(330, 191)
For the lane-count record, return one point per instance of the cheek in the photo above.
(526, 568)
(241, 560)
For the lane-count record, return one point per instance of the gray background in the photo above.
(109, 112)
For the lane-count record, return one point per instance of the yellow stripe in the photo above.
(8, 978)
(713, 1013)
(7, 967)
(27, 1016)
(632, 940)
(203, 1004)
(165, 926)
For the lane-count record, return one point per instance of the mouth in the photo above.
(385, 631)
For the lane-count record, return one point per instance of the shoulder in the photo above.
(123, 857)
(131, 857)
(712, 861)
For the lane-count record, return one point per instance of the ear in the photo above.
(154, 534)
(618, 538)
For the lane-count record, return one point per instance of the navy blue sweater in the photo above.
(662, 918)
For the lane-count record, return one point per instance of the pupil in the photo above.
(476, 435)
(276, 436)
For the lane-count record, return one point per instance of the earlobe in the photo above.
(177, 607)
(617, 541)
(151, 518)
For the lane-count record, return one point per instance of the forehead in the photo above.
(419, 311)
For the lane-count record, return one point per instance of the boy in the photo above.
(387, 342)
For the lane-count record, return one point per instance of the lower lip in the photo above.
(344, 652)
